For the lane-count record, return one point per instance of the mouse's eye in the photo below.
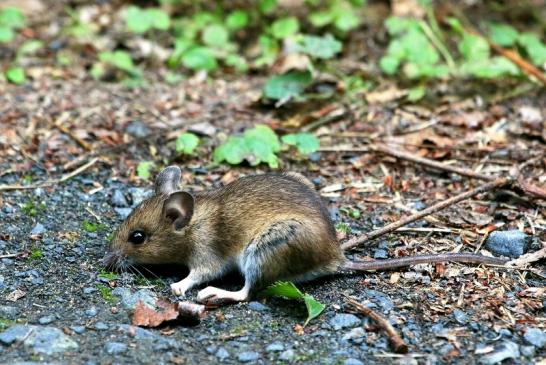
(137, 237)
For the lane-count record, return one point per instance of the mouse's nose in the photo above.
(110, 261)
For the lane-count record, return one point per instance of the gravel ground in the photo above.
(69, 315)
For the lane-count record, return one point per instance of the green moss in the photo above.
(5, 323)
(108, 275)
(106, 293)
(32, 208)
(91, 227)
(35, 254)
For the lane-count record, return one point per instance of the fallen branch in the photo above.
(46, 183)
(499, 182)
(10, 255)
(395, 339)
(430, 163)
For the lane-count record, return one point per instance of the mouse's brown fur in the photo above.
(269, 227)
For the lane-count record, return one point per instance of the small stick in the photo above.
(501, 181)
(46, 183)
(430, 163)
(191, 310)
(10, 255)
(523, 64)
(395, 339)
(59, 125)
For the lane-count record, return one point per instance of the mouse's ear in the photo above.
(167, 181)
(178, 209)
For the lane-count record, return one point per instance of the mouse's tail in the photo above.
(421, 259)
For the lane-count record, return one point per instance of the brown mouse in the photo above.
(270, 227)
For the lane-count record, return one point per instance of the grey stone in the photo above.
(123, 212)
(380, 254)
(379, 298)
(38, 229)
(344, 320)
(101, 326)
(9, 312)
(89, 290)
(129, 299)
(257, 307)
(137, 129)
(118, 199)
(140, 194)
(78, 329)
(535, 337)
(91, 312)
(142, 334)
(288, 355)
(248, 356)
(113, 348)
(222, 353)
(460, 316)
(46, 319)
(274, 347)
(512, 243)
(352, 361)
(44, 340)
(505, 350)
(528, 351)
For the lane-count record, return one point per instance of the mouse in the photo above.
(269, 227)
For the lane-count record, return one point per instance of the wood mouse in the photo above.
(270, 227)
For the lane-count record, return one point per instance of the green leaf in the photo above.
(398, 25)
(314, 308)
(199, 58)
(11, 17)
(143, 169)
(321, 18)
(180, 46)
(490, 68)
(256, 145)
(121, 60)
(533, 47)
(474, 48)
(267, 6)
(16, 75)
(306, 143)
(287, 86)
(269, 48)
(288, 290)
(97, 71)
(285, 27)
(236, 61)
(321, 47)
(503, 34)
(416, 93)
(159, 19)
(142, 20)
(186, 143)
(215, 35)
(346, 20)
(6, 34)
(389, 64)
(237, 19)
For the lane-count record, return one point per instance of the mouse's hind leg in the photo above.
(286, 250)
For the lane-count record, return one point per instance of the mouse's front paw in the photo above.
(179, 288)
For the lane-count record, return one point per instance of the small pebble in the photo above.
(137, 129)
(46, 319)
(257, 307)
(38, 229)
(460, 316)
(89, 290)
(118, 199)
(101, 326)
(288, 355)
(248, 356)
(78, 329)
(113, 348)
(344, 320)
(505, 350)
(274, 347)
(512, 243)
(352, 361)
(535, 337)
(222, 354)
(91, 312)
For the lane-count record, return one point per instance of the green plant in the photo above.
(343, 227)
(15, 73)
(528, 43)
(186, 143)
(306, 143)
(289, 291)
(287, 86)
(33, 208)
(117, 60)
(351, 212)
(108, 275)
(340, 14)
(140, 20)
(10, 19)
(35, 253)
(91, 227)
(143, 169)
(6, 323)
(256, 145)
(106, 293)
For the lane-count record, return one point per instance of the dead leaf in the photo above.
(145, 316)
(292, 61)
(15, 295)
(385, 96)
(299, 330)
(407, 8)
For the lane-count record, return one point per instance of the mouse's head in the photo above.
(155, 231)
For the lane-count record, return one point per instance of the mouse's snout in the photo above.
(113, 260)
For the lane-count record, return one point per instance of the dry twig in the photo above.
(59, 125)
(46, 183)
(499, 182)
(395, 339)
